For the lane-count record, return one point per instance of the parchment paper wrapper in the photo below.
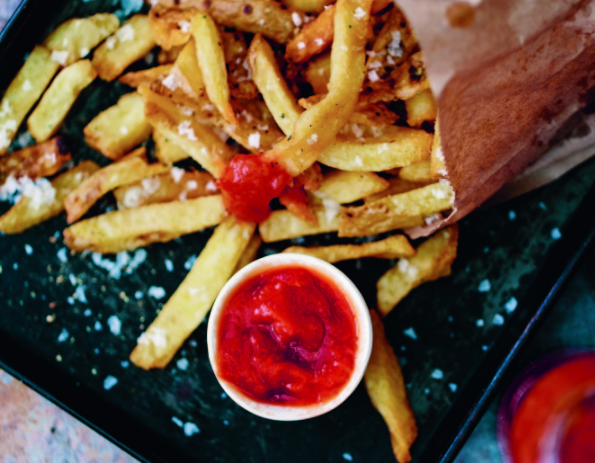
(509, 75)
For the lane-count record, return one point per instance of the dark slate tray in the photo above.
(512, 245)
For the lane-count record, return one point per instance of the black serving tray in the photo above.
(510, 245)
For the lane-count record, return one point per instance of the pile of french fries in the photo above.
(320, 87)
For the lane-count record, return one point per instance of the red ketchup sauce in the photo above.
(249, 183)
(287, 336)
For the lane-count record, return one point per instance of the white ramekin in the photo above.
(363, 326)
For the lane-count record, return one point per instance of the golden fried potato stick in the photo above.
(249, 253)
(396, 186)
(42, 160)
(386, 388)
(130, 43)
(418, 172)
(191, 302)
(188, 72)
(317, 127)
(271, 84)
(437, 164)
(118, 129)
(196, 138)
(75, 38)
(22, 93)
(313, 39)
(421, 108)
(146, 76)
(211, 60)
(318, 73)
(283, 225)
(432, 261)
(308, 6)
(392, 247)
(129, 229)
(170, 26)
(348, 187)
(42, 204)
(177, 184)
(129, 169)
(55, 103)
(395, 147)
(404, 210)
(166, 150)
(271, 19)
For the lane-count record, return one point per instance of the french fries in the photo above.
(396, 186)
(170, 26)
(421, 108)
(418, 172)
(23, 92)
(283, 225)
(42, 202)
(177, 184)
(386, 388)
(118, 129)
(147, 76)
(211, 60)
(130, 43)
(433, 260)
(189, 305)
(132, 168)
(35, 161)
(313, 39)
(348, 187)
(167, 151)
(249, 253)
(129, 229)
(271, 84)
(395, 147)
(393, 247)
(403, 210)
(197, 139)
(188, 73)
(51, 111)
(75, 38)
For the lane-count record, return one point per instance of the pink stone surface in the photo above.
(33, 430)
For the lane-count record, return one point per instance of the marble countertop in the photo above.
(35, 431)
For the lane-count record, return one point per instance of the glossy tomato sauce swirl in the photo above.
(287, 336)
(249, 183)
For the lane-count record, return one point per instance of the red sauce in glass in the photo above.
(249, 183)
(578, 442)
(287, 335)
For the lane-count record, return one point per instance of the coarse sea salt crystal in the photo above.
(511, 305)
(394, 46)
(171, 81)
(115, 325)
(191, 185)
(297, 20)
(453, 387)
(410, 332)
(28, 249)
(406, 268)
(98, 326)
(63, 336)
(373, 76)
(185, 130)
(60, 57)
(319, 42)
(184, 26)
(110, 43)
(484, 286)
(498, 320)
(347, 456)
(169, 265)
(80, 294)
(109, 382)
(125, 33)
(177, 174)
(437, 374)
(254, 140)
(182, 364)
(27, 85)
(479, 323)
(190, 429)
(331, 209)
(177, 421)
(156, 292)
(154, 336)
(190, 262)
(301, 45)
(313, 139)
(359, 13)
(556, 234)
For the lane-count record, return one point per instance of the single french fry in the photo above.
(129, 229)
(23, 92)
(166, 150)
(75, 38)
(130, 43)
(404, 210)
(197, 139)
(308, 6)
(317, 127)
(314, 38)
(396, 147)
(318, 73)
(170, 26)
(392, 247)
(129, 169)
(177, 184)
(146, 76)
(386, 388)
(421, 108)
(211, 60)
(35, 161)
(437, 164)
(118, 129)
(347, 187)
(271, 19)
(396, 186)
(188, 72)
(283, 225)
(51, 111)
(271, 84)
(249, 253)
(418, 172)
(44, 201)
(188, 306)
(433, 260)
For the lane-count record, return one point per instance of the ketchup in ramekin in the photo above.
(289, 337)
(548, 413)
